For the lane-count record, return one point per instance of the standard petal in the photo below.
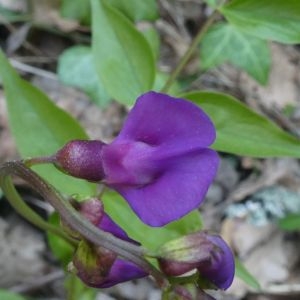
(159, 119)
(177, 190)
(221, 269)
(122, 271)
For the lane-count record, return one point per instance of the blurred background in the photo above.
(250, 200)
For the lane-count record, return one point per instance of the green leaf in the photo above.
(224, 42)
(275, 20)
(40, 128)
(123, 58)
(62, 250)
(7, 295)
(242, 273)
(76, 289)
(76, 10)
(76, 68)
(242, 131)
(150, 237)
(137, 10)
(212, 3)
(290, 223)
(152, 36)
(9, 16)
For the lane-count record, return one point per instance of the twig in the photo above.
(38, 282)
(25, 43)
(184, 60)
(33, 70)
(281, 289)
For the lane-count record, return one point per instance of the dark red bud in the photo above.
(82, 159)
(92, 209)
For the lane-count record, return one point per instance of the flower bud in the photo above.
(92, 264)
(92, 209)
(184, 254)
(206, 253)
(82, 159)
(96, 266)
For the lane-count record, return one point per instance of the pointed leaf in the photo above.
(7, 295)
(40, 128)
(136, 9)
(242, 131)
(224, 42)
(76, 10)
(123, 58)
(152, 36)
(290, 223)
(275, 20)
(212, 3)
(78, 290)
(243, 273)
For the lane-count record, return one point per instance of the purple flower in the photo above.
(220, 268)
(207, 253)
(101, 268)
(121, 270)
(159, 162)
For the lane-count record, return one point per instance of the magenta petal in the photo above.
(159, 119)
(108, 225)
(122, 271)
(221, 269)
(179, 188)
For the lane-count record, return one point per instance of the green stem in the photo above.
(67, 212)
(71, 287)
(184, 279)
(24, 210)
(165, 294)
(29, 162)
(184, 60)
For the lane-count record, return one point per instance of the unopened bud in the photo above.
(184, 254)
(82, 159)
(92, 264)
(208, 254)
(92, 209)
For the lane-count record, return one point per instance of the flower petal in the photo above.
(179, 188)
(221, 269)
(122, 271)
(159, 119)
(108, 225)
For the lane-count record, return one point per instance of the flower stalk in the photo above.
(23, 209)
(184, 60)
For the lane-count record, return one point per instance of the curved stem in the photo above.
(24, 210)
(189, 51)
(29, 162)
(90, 232)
